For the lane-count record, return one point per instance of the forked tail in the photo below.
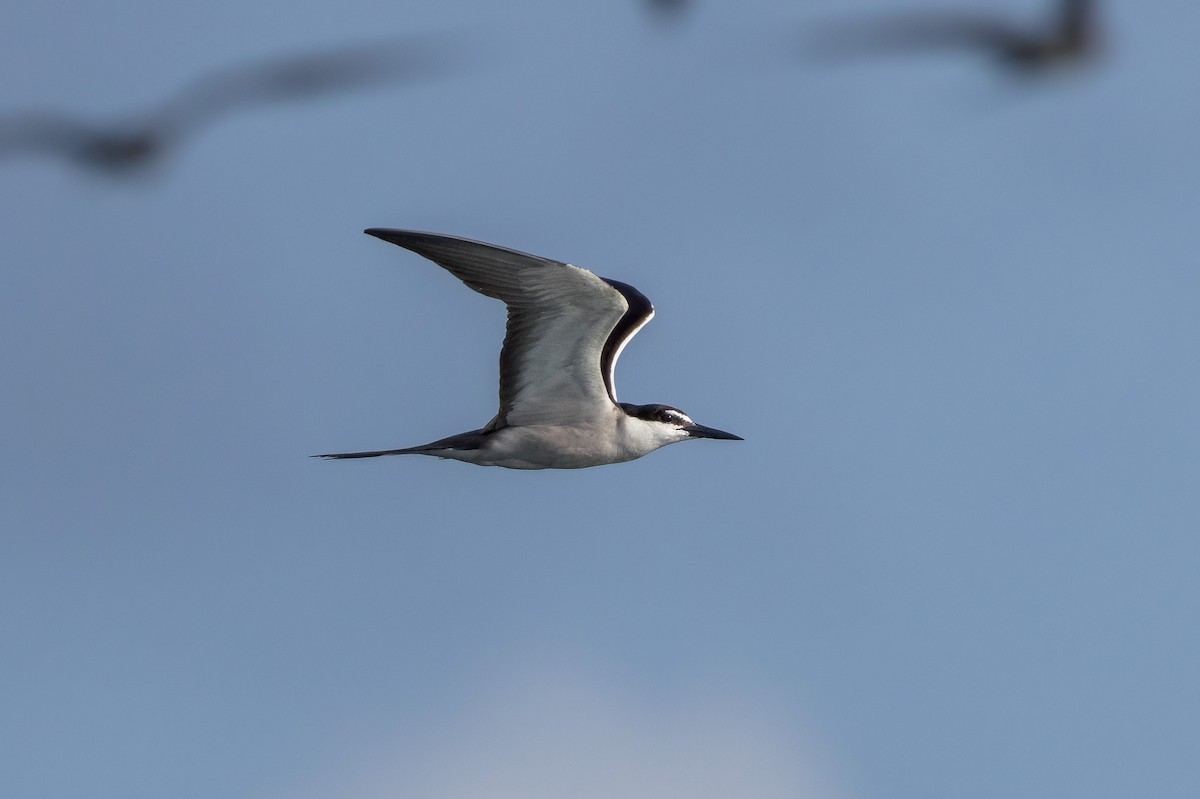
(462, 441)
(376, 454)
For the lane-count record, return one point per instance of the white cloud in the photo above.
(568, 736)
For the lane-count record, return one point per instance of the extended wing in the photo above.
(566, 326)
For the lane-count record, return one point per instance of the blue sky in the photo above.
(952, 314)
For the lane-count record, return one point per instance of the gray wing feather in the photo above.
(559, 320)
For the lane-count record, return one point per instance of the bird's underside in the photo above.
(527, 447)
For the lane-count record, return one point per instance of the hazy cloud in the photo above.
(567, 735)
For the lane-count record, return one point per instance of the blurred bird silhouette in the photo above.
(1070, 34)
(673, 9)
(126, 146)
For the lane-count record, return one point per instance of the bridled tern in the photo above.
(558, 400)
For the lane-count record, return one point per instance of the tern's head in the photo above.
(667, 425)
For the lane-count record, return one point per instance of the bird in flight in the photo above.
(122, 147)
(1069, 35)
(668, 8)
(558, 399)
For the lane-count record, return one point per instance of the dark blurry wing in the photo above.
(296, 78)
(918, 32)
(34, 133)
(1076, 19)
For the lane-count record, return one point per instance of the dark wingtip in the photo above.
(394, 235)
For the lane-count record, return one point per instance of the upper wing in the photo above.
(566, 326)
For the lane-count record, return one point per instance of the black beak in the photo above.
(700, 431)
